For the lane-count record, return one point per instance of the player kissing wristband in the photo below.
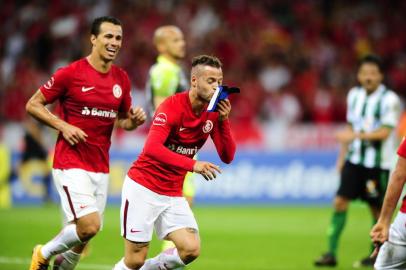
(221, 93)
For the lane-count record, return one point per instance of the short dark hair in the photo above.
(371, 59)
(95, 30)
(206, 60)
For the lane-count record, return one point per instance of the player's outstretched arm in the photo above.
(206, 169)
(36, 108)
(380, 232)
(135, 118)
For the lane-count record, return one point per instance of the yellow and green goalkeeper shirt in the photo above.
(165, 79)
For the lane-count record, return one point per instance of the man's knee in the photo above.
(341, 203)
(134, 262)
(85, 233)
(189, 252)
(87, 227)
(135, 254)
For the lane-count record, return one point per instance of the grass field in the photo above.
(233, 237)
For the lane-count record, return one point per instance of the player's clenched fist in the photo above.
(224, 109)
(137, 115)
(73, 134)
(207, 169)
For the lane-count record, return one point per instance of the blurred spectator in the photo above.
(34, 157)
(5, 171)
(310, 47)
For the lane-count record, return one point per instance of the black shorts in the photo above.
(367, 184)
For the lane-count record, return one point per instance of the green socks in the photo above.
(335, 229)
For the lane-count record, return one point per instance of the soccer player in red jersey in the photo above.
(392, 254)
(152, 190)
(93, 93)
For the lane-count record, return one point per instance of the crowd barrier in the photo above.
(288, 177)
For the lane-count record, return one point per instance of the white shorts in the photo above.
(81, 192)
(143, 209)
(392, 254)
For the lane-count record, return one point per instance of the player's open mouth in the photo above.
(111, 51)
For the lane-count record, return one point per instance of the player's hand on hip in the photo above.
(224, 109)
(137, 115)
(72, 134)
(206, 169)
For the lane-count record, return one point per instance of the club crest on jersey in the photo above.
(208, 126)
(117, 92)
(49, 83)
(160, 119)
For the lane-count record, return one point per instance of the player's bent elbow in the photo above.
(227, 159)
(29, 106)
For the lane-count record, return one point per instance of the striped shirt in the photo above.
(367, 113)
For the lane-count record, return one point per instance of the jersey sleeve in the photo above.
(164, 81)
(126, 101)
(165, 119)
(224, 141)
(350, 105)
(57, 85)
(391, 110)
(402, 148)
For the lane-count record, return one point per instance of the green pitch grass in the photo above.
(233, 237)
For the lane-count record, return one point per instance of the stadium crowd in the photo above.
(293, 60)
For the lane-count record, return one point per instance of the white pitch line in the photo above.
(25, 261)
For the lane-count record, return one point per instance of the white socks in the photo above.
(66, 239)
(121, 266)
(166, 260)
(67, 260)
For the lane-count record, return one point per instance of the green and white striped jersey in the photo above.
(367, 113)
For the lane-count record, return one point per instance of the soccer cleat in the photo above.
(38, 262)
(365, 262)
(326, 259)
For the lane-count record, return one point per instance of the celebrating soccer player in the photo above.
(93, 93)
(152, 191)
(166, 78)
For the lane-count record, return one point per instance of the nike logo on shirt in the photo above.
(85, 89)
(182, 128)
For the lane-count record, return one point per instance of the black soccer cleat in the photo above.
(365, 262)
(326, 259)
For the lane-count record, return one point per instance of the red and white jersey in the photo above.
(91, 101)
(402, 153)
(175, 136)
